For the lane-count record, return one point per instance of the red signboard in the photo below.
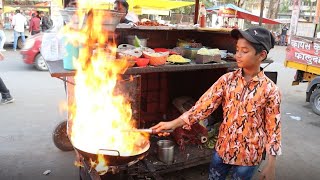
(304, 51)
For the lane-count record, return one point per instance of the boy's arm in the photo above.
(273, 132)
(272, 123)
(207, 103)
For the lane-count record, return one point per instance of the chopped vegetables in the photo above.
(177, 59)
(209, 52)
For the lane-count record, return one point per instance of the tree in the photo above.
(273, 9)
(284, 7)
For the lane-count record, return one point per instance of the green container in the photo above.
(190, 53)
(72, 52)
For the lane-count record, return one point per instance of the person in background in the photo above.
(2, 35)
(18, 23)
(122, 6)
(236, 26)
(34, 25)
(283, 35)
(226, 24)
(45, 22)
(38, 15)
(251, 112)
(5, 93)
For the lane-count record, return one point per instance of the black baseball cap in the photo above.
(256, 35)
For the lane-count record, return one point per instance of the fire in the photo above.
(99, 118)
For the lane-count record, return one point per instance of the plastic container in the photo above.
(157, 60)
(72, 53)
(142, 62)
(166, 151)
(51, 47)
(190, 53)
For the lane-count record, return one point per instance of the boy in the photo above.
(251, 111)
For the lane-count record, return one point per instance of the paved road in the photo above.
(26, 147)
(27, 150)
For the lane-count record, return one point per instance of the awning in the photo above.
(158, 4)
(231, 10)
(288, 21)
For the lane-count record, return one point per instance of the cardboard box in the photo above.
(202, 59)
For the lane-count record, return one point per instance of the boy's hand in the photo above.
(163, 126)
(1, 57)
(268, 173)
(167, 126)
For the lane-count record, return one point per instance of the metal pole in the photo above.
(261, 12)
(196, 12)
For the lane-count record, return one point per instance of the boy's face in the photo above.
(246, 55)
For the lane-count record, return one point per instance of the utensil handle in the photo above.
(163, 131)
(109, 150)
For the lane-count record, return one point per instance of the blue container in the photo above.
(72, 52)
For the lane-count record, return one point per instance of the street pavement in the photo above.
(27, 149)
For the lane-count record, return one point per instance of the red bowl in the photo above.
(142, 62)
(161, 50)
(164, 50)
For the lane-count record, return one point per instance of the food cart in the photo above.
(160, 85)
(152, 92)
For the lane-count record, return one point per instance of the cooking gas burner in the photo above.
(132, 171)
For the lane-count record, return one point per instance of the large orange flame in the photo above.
(99, 118)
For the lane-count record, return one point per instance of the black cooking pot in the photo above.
(114, 158)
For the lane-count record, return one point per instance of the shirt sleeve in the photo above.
(273, 124)
(31, 25)
(45, 22)
(13, 23)
(207, 103)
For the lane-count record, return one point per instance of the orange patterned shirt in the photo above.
(251, 117)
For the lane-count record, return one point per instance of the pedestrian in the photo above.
(5, 93)
(236, 26)
(283, 36)
(2, 35)
(45, 22)
(18, 23)
(226, 24)
(34, 25)
(251, 112)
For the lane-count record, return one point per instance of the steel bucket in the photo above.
(110, 22)
(165, 151)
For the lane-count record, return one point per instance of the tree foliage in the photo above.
(273, 9)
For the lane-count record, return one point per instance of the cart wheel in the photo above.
(60, 137)
(315, 101)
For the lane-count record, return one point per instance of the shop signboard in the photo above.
(304, 51)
